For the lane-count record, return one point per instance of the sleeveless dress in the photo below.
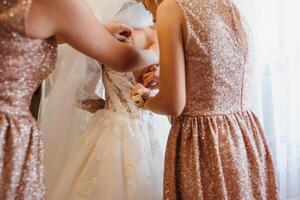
(24, 63)
(217, 149)
(120, 155)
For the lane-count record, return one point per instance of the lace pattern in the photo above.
(118, 86)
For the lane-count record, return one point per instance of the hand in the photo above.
(139, 94)
(92, 105)
(151, 79)
(120, 31)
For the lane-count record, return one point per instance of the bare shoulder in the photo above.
(170, 6)
(45, 16)
(170, 9)
(49, 4)
(57, 6)
(38, 24)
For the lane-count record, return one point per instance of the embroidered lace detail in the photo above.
(117, 87)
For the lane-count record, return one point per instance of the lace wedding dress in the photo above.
(121, 153)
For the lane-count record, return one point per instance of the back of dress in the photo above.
(216, 57)
(217, 148)
(117, 91)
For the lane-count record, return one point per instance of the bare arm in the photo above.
(74, 22)
(172, 96)
(144, 38)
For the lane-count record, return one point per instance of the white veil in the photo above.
(60, 119)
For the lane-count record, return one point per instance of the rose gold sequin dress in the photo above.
(217, 149)
(24, 63)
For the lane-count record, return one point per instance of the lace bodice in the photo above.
(117, 91)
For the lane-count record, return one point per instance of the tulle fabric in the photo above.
(134, 15)
(61, 120)
(118, 157)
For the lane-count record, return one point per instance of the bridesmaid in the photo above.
(27, 56)
(216, 148)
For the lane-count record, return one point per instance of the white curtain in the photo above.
(275, 28)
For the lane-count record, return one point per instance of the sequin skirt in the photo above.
(219, 157)
(21, 156)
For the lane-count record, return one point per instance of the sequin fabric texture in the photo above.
(24, 63)
(217, 149)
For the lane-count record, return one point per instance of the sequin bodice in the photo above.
(216, 63)
(24, 62)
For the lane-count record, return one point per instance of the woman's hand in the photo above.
(75, 23)
(92, 105)
(120, 31)
(139, 94)
(151, 78)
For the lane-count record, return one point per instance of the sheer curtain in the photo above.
(276, 36)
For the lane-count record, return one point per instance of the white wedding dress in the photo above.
(120, 155)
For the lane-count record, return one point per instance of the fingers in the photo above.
(150, 79)
(154, 68)
(125, 30)
(124, 33)
(121, 31)
(151, 83)
(92, 105)
(122, 38)
(139, 94)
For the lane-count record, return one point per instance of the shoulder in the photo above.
(170, 9)
(168, 6)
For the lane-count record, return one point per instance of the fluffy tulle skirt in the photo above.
(119, 156)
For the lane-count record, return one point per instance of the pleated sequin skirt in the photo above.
(21, 158)
(222, 157)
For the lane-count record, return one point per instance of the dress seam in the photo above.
(217, 115)
(242, 87)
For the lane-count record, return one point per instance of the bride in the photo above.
(120, 154)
